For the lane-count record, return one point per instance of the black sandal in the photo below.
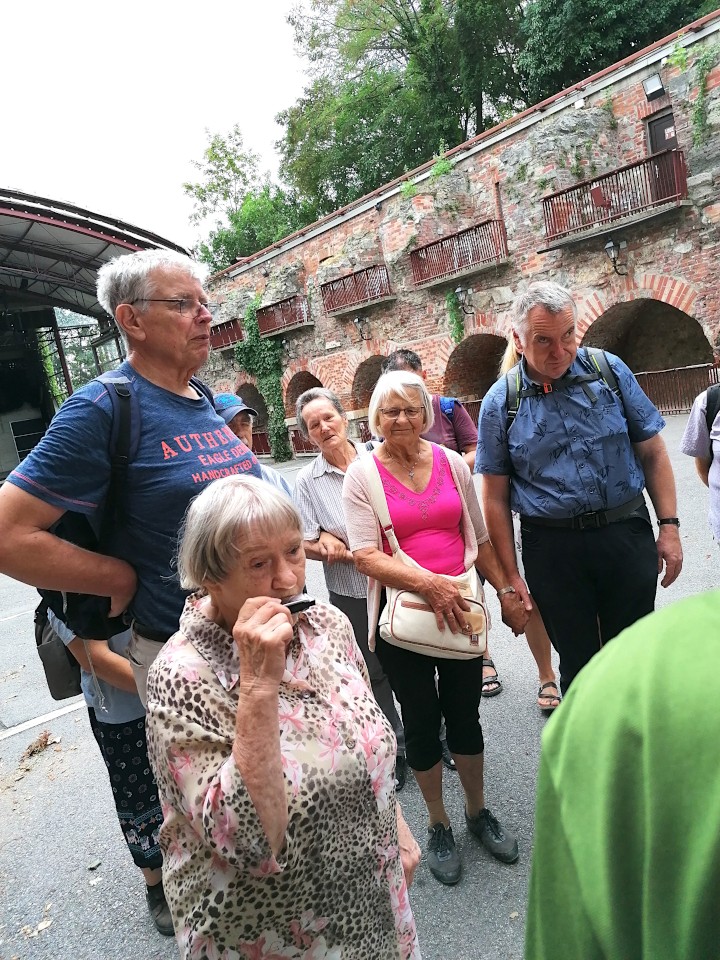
(549, 696)
(490, 686)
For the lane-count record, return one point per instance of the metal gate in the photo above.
(673, 391)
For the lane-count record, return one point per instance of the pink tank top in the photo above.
(427, 524)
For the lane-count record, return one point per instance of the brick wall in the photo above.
(669, 258)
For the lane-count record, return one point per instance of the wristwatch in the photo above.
(672, 520)
(504, 590)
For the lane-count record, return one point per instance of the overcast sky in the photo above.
(105, 104)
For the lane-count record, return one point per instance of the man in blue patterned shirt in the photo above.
(573, 463)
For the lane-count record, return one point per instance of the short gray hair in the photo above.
(542, 293)
(128, 278)
(315, 393)
(220, 518)
(399, 382)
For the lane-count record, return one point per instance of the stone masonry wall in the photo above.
(669, 258)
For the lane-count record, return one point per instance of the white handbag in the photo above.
(408, 620)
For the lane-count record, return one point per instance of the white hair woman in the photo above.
(273, 759)
(318, 496)
(436, 515)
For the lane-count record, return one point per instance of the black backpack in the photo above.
(713, 408)
(85, 614)
(602, 371)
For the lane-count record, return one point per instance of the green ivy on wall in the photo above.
(261, 357)
(703, 65)
(455, 317)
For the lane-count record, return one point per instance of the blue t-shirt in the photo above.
(184, 445)
(564, 453)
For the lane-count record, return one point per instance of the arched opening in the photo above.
(250, 395)
(650, 335)
(366, 376)
(301, 382)
(473, 366)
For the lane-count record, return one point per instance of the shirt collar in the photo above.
(321, 465)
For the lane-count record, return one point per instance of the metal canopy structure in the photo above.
(50, 253)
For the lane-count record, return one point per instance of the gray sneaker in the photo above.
(442, 857)
(501, 844)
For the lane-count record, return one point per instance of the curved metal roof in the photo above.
(50, 252)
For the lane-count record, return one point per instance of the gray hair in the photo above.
(398, 382)
(315, 393)
(542, 293)
(128, 278)
(220, 518)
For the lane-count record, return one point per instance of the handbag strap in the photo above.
(379, 503)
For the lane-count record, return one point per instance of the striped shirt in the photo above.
(318, 497)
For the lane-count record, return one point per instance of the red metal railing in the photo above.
(483, 243)
(673, 391)
(363, 286)
(225, 334)
(261, 442)
(292, 312)
(657, 180)
(299, 443)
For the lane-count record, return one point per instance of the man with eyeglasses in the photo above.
(162, 311)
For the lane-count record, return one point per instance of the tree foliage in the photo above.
(228, 173)
(392, 79)
(565, 42)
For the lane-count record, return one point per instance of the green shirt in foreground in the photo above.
(626, 863)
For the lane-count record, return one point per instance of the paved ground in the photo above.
(57, 819)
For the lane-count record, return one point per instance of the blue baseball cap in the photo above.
(229, 405)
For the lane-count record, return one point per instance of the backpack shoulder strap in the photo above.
(599, 360)
(713, 405)
(203, 388)
(124, 442)
(447, 406)
(512, 382)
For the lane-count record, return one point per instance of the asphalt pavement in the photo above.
(69, 890)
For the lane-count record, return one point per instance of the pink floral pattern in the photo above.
(231, 898)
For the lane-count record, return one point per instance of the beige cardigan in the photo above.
(363, 526)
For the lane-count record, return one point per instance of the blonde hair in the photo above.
(220, 518)
(509, 359)
(398, 382)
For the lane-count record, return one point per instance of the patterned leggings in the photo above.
(124, 750)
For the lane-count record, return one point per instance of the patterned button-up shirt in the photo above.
(568, 453)
(336, 890)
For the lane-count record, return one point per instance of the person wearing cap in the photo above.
(239, 417)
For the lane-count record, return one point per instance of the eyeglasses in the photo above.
(186, 306)
(412, 413)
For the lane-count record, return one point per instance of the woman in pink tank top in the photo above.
(444, 532)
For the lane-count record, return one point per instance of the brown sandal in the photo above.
(490, 686)
(549, 707)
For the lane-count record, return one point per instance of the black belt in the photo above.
(589, 521)
(157, 636)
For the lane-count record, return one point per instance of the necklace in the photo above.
(410, 470)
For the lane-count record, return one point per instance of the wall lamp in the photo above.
(653, 87)
(464, 298)
(264, 271)
(362, 325)
(612, 249)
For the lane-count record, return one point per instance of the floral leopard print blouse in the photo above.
(336, 891)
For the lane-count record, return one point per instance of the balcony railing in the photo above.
(283, 315)
(225, 334)
(299, 443)
(638, 187)
(486, 242)
(357, 289)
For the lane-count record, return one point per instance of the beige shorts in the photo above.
(141, 652)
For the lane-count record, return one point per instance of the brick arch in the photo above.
(654, 286)
(496, 323)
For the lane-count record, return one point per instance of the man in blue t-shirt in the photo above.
(160, 306)
(574, 463)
